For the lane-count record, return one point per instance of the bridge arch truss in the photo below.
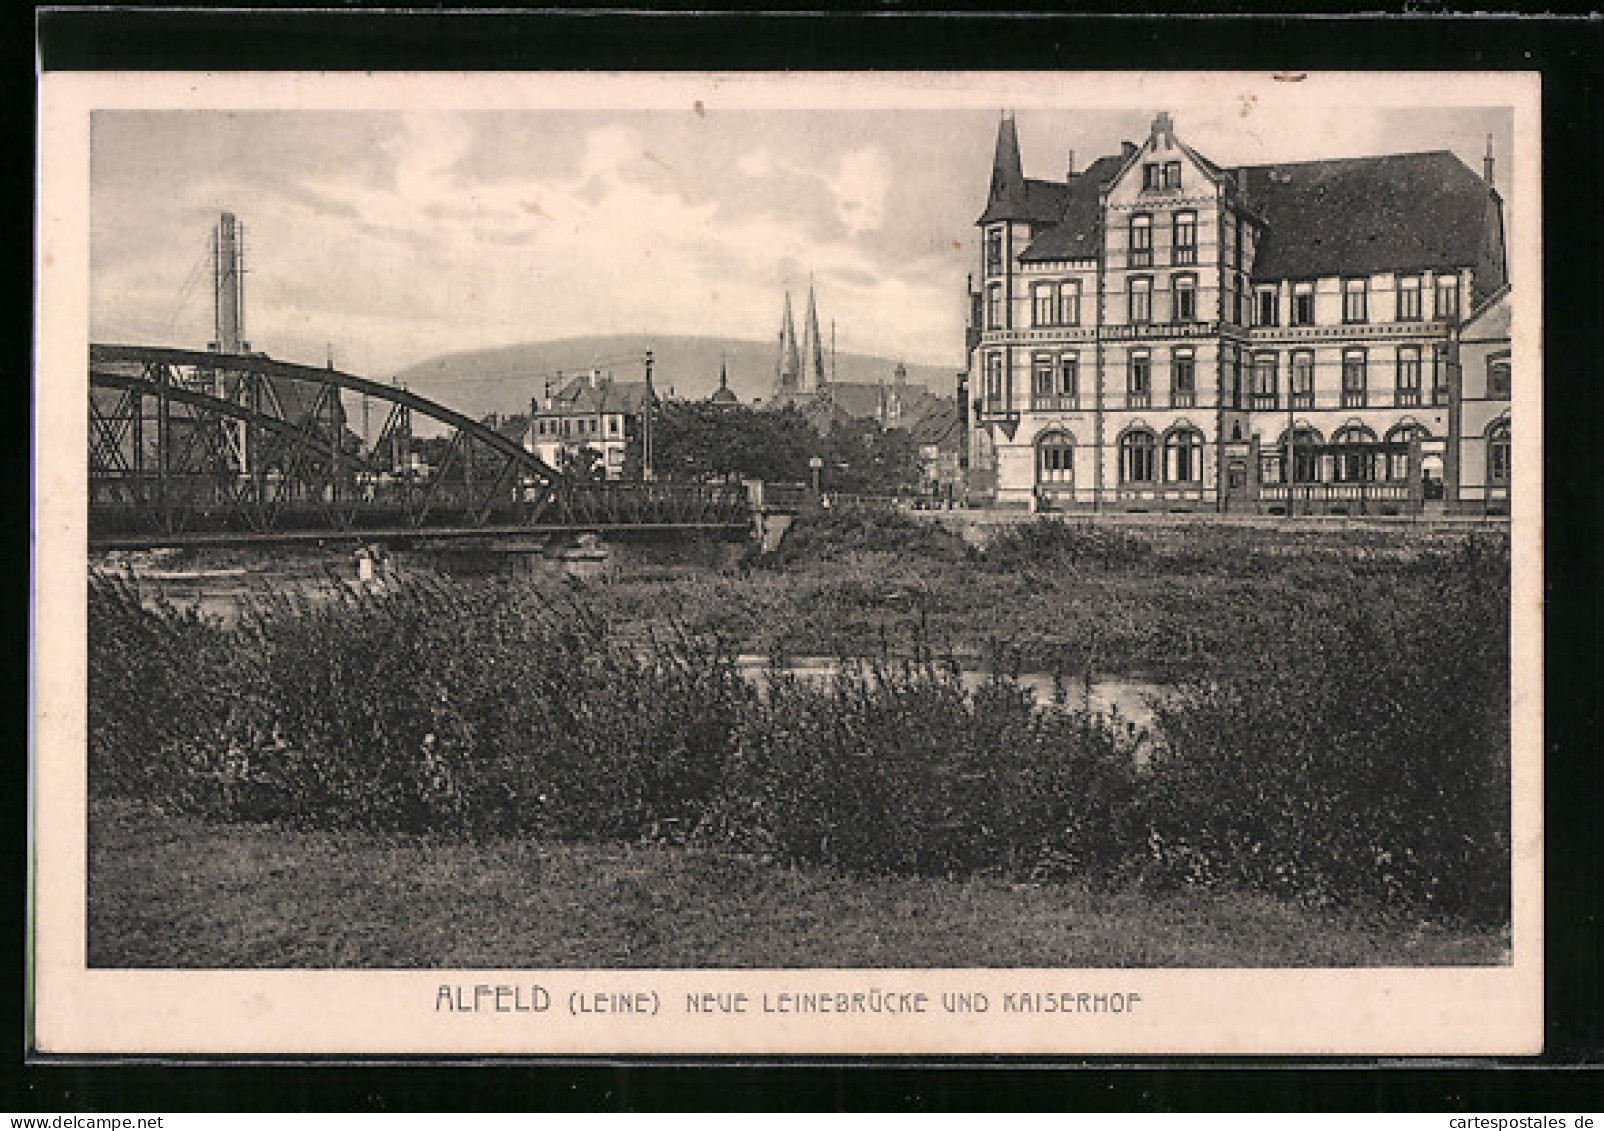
(185, 440)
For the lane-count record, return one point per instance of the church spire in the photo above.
(787, 367)
(1007, 197)
(812, 348)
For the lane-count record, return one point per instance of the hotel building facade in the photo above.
(1160, 333)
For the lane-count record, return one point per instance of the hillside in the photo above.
(504, 379)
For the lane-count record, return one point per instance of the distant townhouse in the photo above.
(1157, 332)
(589, 411)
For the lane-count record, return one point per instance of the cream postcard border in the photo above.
(1384, 1012)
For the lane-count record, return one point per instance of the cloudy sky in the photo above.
(398, 236)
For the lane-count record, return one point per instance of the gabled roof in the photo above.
(1074, 231)
(579, 397)
(1362, 215)
(1352, 216)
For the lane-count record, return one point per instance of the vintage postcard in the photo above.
(805, 564)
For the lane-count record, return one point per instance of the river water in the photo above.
(1132, 698)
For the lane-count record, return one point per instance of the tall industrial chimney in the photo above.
(228, 291)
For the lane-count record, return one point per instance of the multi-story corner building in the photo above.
(1157, 332)
(591, 411)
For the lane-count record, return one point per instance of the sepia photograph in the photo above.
(893, 563)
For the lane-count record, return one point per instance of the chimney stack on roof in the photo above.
(1069, 173)
(1127, 149)
(1487, 162)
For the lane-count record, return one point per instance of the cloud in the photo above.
(755, 163)
(860, 185)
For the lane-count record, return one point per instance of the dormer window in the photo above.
(1448, 298)
(1353, 301)
(1264, 311)
(1141, 240)
(1303, 304)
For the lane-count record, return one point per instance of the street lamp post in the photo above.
(646, 424)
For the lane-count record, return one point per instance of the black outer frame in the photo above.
(1565, 1077)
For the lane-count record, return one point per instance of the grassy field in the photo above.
(182, 892)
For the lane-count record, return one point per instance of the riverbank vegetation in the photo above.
(1337, 737)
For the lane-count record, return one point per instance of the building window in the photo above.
(1041, 376)
(1141, 301)
(1068, 380)
(1150, 176)
(1234, 373)
(1354, 455)
(1409, 298)
(1498, 378)
(1043, 304)
(1069, 303)
(1498, 454)
(1183, 379)
(1185, 238)
(1264, 381)
(612, 425)
(1305, 444)
(1185, 298)
(994, 382)
(1303, 304)
(1136, 452)
(1264, 313)
(1141, 240)
(994, 307)
(1398, 441)
(994, 244)
(1353, 379)
(1139, 383)
(1353, 300)
(1448, 298)
(1409, 376)
(1239, 303)
(1183, 456)
(1172, 174)
(1303, 379)
(1055, 459)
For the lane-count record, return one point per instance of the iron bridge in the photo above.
(196, 447)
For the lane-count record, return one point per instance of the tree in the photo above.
(580, 465)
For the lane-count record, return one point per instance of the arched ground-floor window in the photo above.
(1183, 456)
(1354, 455)
(1498, 453)
(1137, 462)
(1306, 445)
(1055, 459)
(1398, 439)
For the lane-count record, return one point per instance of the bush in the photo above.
(821, 535)
(1363, 760)
(903, 770)
(470, 710)
(1049, 542)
